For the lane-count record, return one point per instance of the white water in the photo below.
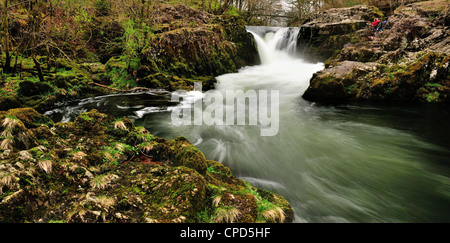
(333, 164)
(279, 45)
(336, 170)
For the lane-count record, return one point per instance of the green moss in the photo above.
(31, 118)
(98, 175)
(60, 221)
(10, 102)
(432, 97)
(91, 122)
(326, 88)
(377, 13)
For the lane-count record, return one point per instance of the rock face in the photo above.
(408, 61)
(184, 52)
(189, 42)
(192, 44)
(102, 169)
(325, 33)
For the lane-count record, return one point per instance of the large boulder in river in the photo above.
(422, 76)
(408, 61)
(331, 85)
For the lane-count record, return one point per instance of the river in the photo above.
(346, 163)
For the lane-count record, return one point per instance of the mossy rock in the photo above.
(405, 82)
(117, 62)
(235, 32)
(92, 122)
(90, 171)
(31, 118)
(15, 134)
(66, 64)
(171, 194)
(173, 83)
(62, 83)
(433, 92)
(30, 88)
(326, 89)
(204, 50)
(108, 51)
(10, 102)
(418, 77)
(179, 152)
(145, 70)
(94, 68)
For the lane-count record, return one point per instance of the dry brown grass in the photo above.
(120, 125)
(274, 215)
(226, 215)
(45, 165)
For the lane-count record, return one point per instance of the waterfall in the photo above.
(275, 43)
(349, 163)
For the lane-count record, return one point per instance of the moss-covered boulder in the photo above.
(9, 102)
(235, 31)
(30, 118)
(338, 83)
(422, 77)
(30, 88)
(196, 44)
(190, 52)
(102, 169)
(173, 83)
(16, 125)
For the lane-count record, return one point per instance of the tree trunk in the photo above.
(390, 6)
(7, 65)
(39, 69)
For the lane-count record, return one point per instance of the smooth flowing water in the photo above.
(348, 163)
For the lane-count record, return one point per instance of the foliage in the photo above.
(102, 7)
(134, 41)
(63, 48)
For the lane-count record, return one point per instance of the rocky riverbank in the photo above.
(105, 169)
(171, 49)
(408, 61)
(325, 33)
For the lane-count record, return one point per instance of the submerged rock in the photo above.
(102, 169)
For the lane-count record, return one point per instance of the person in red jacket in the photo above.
(376, 22)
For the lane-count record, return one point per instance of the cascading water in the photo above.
(275, 44)
(333, 164)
